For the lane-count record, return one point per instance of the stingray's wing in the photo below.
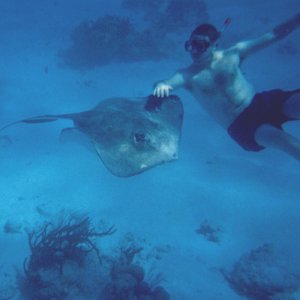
(132, 136)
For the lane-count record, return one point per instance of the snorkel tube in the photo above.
(225, 26)
(226, 23)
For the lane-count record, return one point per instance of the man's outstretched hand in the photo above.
(285, 28)
(162, 90)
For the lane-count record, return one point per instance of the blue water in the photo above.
(253, 197)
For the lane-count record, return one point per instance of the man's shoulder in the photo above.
(231, 54)
(233, 50)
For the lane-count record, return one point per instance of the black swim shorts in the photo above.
(265, 108)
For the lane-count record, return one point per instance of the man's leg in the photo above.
(271, 137)
(291, 107)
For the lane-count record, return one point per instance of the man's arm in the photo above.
(164, 87)
(281, 31)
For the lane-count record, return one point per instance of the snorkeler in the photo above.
(253, 120)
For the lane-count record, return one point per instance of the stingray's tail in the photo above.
(40, 119)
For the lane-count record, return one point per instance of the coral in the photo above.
(109, 39)
(127, 280)
(211, 233)
(58, 252)
(99, 42)
(65, 264)
(264, 274)
(54, 245)
(116, 39)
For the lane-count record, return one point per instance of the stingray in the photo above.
(130, 135)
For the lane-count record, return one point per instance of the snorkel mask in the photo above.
(203, 37)
(197, 43)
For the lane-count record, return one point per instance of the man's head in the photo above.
(203, 36)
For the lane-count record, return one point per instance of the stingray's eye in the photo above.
(139, 137)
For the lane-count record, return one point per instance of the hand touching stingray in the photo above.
(130, 135)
